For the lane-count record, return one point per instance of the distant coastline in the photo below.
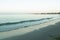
(46, 13)
(28, 13)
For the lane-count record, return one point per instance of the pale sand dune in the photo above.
(26, 30)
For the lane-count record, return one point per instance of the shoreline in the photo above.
(26, 30)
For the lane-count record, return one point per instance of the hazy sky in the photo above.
(29, 6)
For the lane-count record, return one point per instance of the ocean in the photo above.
(14, 22)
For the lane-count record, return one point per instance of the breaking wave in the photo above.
(16, 25)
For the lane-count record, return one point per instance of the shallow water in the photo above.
(12, 22)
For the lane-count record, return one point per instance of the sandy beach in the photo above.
(37, 32)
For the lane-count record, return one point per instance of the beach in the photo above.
(38, 32)
(29, 19)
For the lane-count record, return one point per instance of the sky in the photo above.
(29, 6)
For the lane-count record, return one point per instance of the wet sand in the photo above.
(37, 32)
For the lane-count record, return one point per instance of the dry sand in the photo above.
(30, 33)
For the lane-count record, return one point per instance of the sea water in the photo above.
(14, 22)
